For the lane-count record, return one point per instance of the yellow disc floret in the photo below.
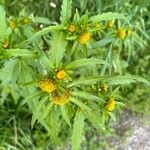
(47, 85)
(61, 98)
(84, 37)
(26, 20)
(71, 28)
(121, 33)
(61, 74)
(111, 104)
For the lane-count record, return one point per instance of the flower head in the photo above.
(71, 28)
(121, 33)
(84, 37)
(61, 74)
(61, 98)
(6, 44)
(111, 104)
(47, 85)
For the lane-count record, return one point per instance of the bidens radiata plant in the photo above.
(71, 73)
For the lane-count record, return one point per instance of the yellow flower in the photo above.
(121, 33)
(111, 104)
(61, 99)
(13, 24)
(71, 28)
(47, 85)
(104, 88)
(84, 37)
(110, 24)
(61, 74)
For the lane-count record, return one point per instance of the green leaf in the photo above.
(65, 114)
(3, 25)
(66, 11)
(84, 62)
(96, 119)
(58, 48)
(47, 110)
(85, 81)
(86, 95)
(37, 113)
(126, 79)
(17, 52)
(112, 116)
(78, 128)
(80, 104)
(107, 16)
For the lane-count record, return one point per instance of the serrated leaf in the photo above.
(65, 114)
(107, 16)
(66, 11)
(3, 26)
(126, 79)
(78, 128)
(85, 81)
(96, 119)
(47, 110)
(86, 95)
(84, 62)
(58, 48)
(80, 104)
(17, 52)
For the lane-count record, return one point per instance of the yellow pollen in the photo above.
(61, 99)
(47, 85)
(121, 33)
(84, 37)
(111, 104)
(61, 74)
(71, 28)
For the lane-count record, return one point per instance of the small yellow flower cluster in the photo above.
(26, 20)
(84, 37)
(61, 74)
(61, 99)
(104, 88)
(71, 28)
(121, 33)
(47, 85)
(111, 104)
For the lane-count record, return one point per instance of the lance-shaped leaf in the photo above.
(126, 79)
(78, 128)
(107, 16)
(65, 114)
(3, 25)
(86, 95)
(80, 104)
(58, 48)
(17, 52)
(66, 11)
(85, 81)
(84, 62)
